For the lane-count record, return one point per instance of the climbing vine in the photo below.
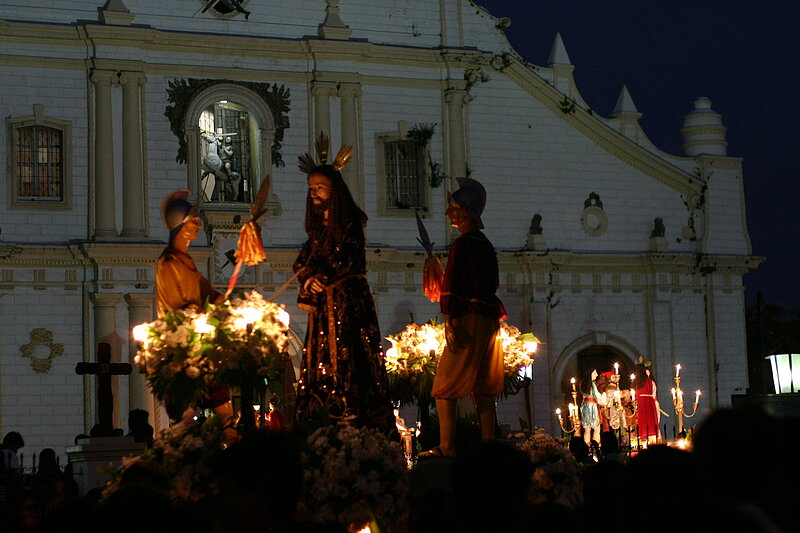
(696, 203)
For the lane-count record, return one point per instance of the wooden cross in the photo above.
(104, 369)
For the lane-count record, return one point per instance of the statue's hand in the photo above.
(315, 284)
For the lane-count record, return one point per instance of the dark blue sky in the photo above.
(744, 56)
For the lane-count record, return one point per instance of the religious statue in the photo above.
(649, 413)
(472, 361)
(536, 225)
(218, 162)
(343, 365)
(179, 284)
(592, 403)
(658, 228)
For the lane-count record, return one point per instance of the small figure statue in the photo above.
(217, 162)
(536, 225)
(658, 228)
(592, 402)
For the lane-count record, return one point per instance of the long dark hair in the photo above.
(343, 212)
(640, 376)
(586, 383)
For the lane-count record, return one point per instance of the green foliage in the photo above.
(567, 105)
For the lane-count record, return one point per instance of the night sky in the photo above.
(744, 56)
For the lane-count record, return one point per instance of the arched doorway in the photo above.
(597, 350)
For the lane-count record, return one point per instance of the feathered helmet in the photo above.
(471, 195)
(175, 207)
(306, 161)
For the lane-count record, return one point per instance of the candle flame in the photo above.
(284, 317)
(140, 332)
(201, 326)
(250, 314)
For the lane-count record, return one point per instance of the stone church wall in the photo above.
(604, 287)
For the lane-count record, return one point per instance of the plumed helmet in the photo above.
(472, 197)
(175, 207)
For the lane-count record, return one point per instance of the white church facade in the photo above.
(609, 248)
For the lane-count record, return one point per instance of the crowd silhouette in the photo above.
(739, 475)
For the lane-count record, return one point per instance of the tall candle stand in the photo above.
(574, 414)
(677, 400)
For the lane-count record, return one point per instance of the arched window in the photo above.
(229, 130)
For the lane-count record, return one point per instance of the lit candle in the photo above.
(633, 376)
(633, 395)
(558, 414)
(572, 380)
(616, 368)
(677, 370)
(673, 394)
(696, 397)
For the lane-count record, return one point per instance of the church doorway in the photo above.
(595, 357)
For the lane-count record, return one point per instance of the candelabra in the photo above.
(677, 400)
(574, 414)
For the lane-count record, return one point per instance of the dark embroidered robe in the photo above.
(343, 361)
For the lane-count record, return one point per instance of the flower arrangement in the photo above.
(412, 360)
(414, 355)
(555, 476)
(518, 348)
(181, 456)
(238, 341)
(353, 476)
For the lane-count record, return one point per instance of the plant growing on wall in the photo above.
(696, 203)
(567, 105)
(421, 134)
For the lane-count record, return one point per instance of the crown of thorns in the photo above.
(307, 164)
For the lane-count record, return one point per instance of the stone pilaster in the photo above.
(133, 212)
(456, 100)
(350, 93)
(140, 310)
(105, 330)
(104, 198)
(322, 92)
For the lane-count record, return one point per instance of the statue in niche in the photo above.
(219, 163)
(658, 228)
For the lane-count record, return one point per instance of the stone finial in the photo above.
(558, 54)
(116, 13)
(625, 104)
(333, 27)
(703, 132)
